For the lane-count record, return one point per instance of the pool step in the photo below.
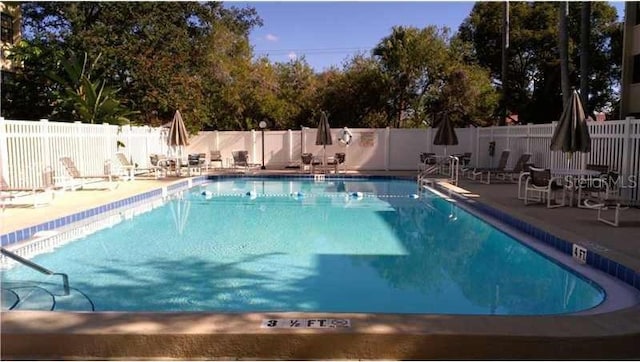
(27, 297)
(42, 296)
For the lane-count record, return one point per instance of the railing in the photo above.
(439, 168)
(454, 168)
(36, 267)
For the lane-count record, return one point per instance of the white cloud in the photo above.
(292, 55)
(271, 37)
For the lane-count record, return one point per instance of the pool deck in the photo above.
(204, 335)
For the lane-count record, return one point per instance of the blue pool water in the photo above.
(366, 246)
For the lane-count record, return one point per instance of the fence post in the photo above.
(290, 145)
(529, 138)
(476, 152)
(46, 146)
(626, 147)
(492, 140)
(253, 146)
(551, 154)
(387, 151)
(4, 151)
(303, 139)
(107, 137)
(130, 138)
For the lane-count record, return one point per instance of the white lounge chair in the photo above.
(40, 195)
(125, 168)
(74, 179)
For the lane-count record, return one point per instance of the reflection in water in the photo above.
(492, 271)
(180, 207)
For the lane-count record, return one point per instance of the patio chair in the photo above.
(196, 162)
(215, 156)
(518, 168)
(74, 179)
(41, 195)
(541, 186)
(502, 163)
(522, 178)
(125, 168)
(600, 189)
(426, 159)
(241, 159)
(464, 159)
(337, 160)
(309, 162)
(615, 204)
(159, 165)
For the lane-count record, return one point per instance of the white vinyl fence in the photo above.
(28, 147)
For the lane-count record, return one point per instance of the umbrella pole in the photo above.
(324, 159)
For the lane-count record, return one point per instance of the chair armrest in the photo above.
(559, 180)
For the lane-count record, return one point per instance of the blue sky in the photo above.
(328, 33)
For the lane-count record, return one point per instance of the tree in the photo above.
(534, 65)
(357, 95)
(413, 60)
(29, 93)
(155, 53)
(88, 100)
(418, 66)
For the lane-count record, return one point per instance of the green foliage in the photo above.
(158, 54)
(90, 101)
(157, 57)
(355, 97)
(421, 67)
(533, 78)
(28, 94)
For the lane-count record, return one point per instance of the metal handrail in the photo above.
(454, 163)
(36, 267)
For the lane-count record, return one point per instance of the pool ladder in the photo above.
(36, 267)
(425, 176)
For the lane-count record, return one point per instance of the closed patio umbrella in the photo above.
(446, 134)
(178, 135)
(572, 133)
(323, 135)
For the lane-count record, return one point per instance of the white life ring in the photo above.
(345, 136)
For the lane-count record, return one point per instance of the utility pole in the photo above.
(505, 60)
(585, 48)
(563, 12)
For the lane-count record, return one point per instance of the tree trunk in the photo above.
(564, 50)
(585, 45)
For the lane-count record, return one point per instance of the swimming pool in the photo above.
(366, 246)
